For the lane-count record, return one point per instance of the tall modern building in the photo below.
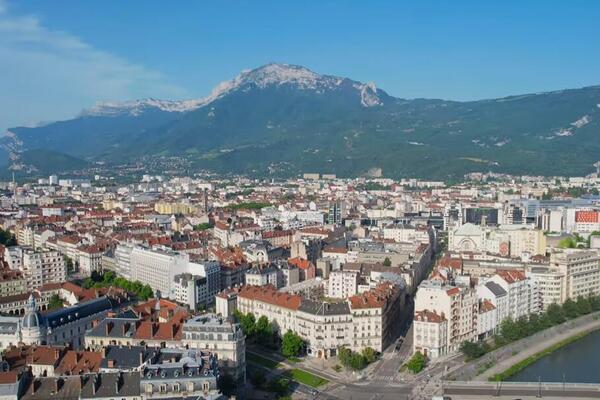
(336, 213)
(157, 267)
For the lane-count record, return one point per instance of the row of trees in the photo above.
(265, 333)
(109, 278)
(512, 330)
(261, 330)
(203, 226)
(356, 361)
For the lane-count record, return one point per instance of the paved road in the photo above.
(392, 359)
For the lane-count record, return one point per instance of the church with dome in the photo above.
(64, 326)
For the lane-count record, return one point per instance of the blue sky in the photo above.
(57, 57)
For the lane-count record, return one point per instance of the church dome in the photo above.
(31, 319)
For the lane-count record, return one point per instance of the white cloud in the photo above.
(47, 74)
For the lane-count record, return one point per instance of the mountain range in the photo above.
(283, 119)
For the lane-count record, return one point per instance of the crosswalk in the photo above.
(387, 378)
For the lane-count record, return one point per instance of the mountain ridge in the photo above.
(283, 119)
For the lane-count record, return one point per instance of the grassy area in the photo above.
(521, 365)
(306, 378)
(265, 362)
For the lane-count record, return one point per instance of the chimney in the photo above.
(95, 384)
(141, 357)
(94, 323)
(35, 385)
(58, 383)
(109, 326)
(118, 383)
(111, 363)
(56, 354)
(103, 352)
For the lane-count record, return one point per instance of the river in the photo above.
(576, 362)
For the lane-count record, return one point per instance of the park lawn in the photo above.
(265, 362)
(306, 378)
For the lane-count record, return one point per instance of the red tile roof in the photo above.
(79, 362)
(429, 316)
(512, 276)
(374, 298)
(300, 263)
(268, 294)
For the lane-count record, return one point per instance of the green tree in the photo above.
(555, 314)
(357, 361)
(227, 384)
(570, 309)
(108, 277)
(473, 350)
(369, 354)
(387, 262)
(264, 329)
(55, 302)
(344, 355)
(416, 363)
(595, 303)
(69, 264)
(7, 239)
(203, 226)
(509, 330)
(248, 323)
(583, 305)
(257, 377)
(352, 360)
(291, 344)
(567, 243)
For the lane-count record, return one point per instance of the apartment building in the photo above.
(89, 259)
(458, 304)
(12, 283)
(122, 260)
(524, 239)
(487, 319)
(258, 276)
(170, 208)
(191, 290)
(342, 284)
(220, 336)
(581, 269)
(39, 267)
(550, 283)
(366, 320)
(497, 296)
(430, 333)
(523, 296)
